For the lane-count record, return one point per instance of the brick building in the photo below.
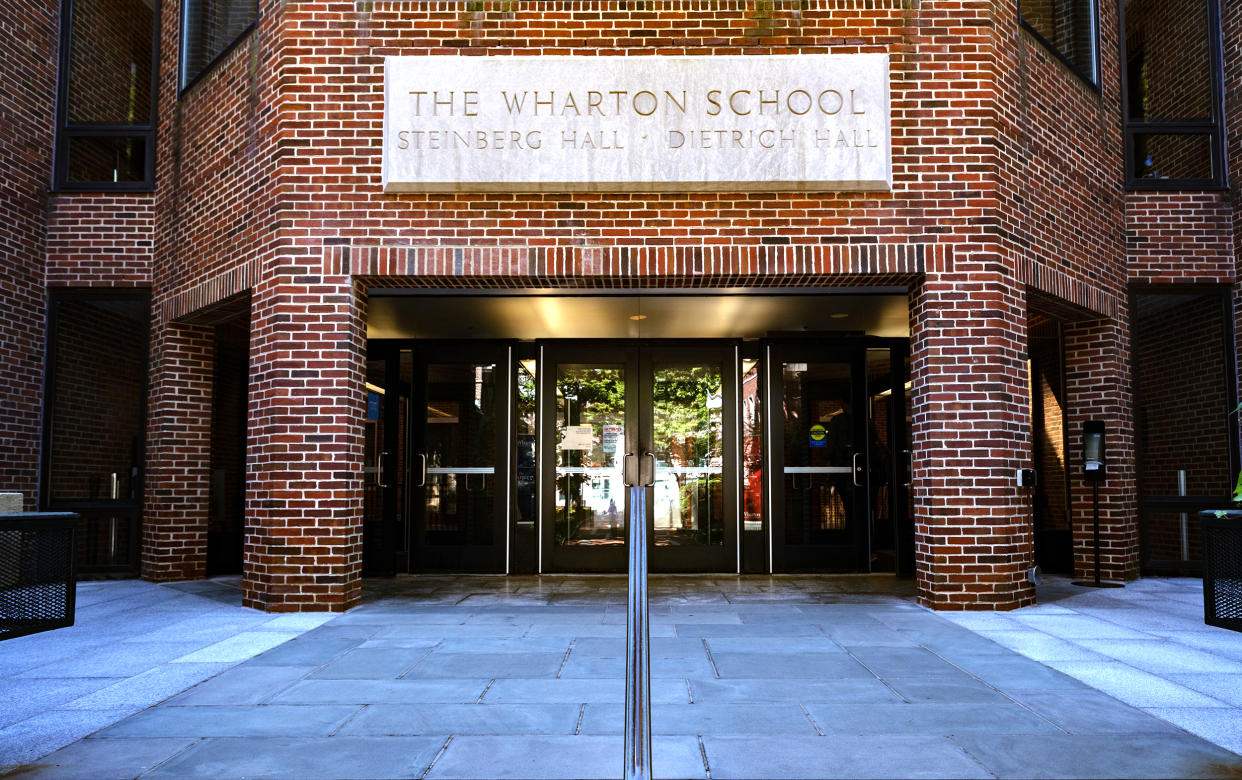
(242, 334)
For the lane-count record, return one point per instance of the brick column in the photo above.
(178, 455)
(971, 430)
(304, 451)
(1097, 385)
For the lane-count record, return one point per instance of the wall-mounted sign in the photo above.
(648, 123)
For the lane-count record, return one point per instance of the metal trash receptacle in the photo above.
(38, 572)
(1222, 568)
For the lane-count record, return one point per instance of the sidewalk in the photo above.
(781, 677)
(1146, 645)
(133, 644)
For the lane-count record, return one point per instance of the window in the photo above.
(106, 107)
(1186, 439)
(95, 421)
(1069, 29)
(209, 28)
(1172, 81)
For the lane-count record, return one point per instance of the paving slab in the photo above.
(95, 759)
(360, 692)
(445, 719)
(561, 758)
(274, 758)
(927, 718)
(232, 721)
(852, 690)
(246, 684)
(1088, 756)
(701, 719)
(818, 758)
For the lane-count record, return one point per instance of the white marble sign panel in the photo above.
(643, 123)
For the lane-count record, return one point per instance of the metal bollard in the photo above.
(637, 646)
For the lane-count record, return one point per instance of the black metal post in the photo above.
(1095, 540)
(638, 646)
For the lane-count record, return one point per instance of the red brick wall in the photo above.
(174, 530)
(1097, 385)
(100, 239)
(27, 59)
(1179, 237)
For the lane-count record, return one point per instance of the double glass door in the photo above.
(662, 418)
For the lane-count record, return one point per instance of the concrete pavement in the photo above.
(523, 677)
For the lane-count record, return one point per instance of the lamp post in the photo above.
(1094, 461)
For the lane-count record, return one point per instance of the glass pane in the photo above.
(374, 441)
(211, 26)
(1183, 408)
(105, 540)
(1172, 156)
(527, 436)
(1068, 26)
(819, 437)
(460, 445)
(1173, 536)
(110, 62)
(883, 529)
(402, 472)
(1169, 61)
(99, 369)
(106, 159)
(688, 439)
(590, 449)
(752, 449)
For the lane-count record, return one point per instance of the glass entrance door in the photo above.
(384, 526)
(459, 462)
(818, 454)
(617, 415)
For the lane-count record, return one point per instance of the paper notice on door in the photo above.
(611, 434)
(577, 437)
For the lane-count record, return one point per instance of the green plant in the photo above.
(1237, 486)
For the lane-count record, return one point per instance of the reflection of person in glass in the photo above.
(840, 450)
(612, 514)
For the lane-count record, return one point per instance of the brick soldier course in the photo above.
(1008, 203)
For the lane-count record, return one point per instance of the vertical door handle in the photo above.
(857, 481)
(626, 478)
(653, 467)
(379, 464)
(422, 471)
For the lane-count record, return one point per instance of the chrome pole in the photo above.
(638, 646)
(1181, 491)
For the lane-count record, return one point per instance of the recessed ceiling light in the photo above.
(840, 316)
(638, 316)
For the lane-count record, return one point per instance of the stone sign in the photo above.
(559, 123)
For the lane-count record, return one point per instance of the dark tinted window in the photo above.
(210, 27)
(1068, 27)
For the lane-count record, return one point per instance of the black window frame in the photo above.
(1093, 78)
(186, 84)
(1212, 128)
(66, 132)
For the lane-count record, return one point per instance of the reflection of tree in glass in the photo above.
(686, 428)
(688, 432)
